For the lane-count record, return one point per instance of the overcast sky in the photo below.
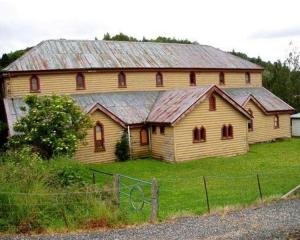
(257, 27)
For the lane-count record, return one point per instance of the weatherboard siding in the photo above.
(213, 122)
(163, 144)
(137, 150)
(136, 81)
(112, 134)
(263, 125)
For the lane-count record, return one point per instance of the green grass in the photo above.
(230, 180)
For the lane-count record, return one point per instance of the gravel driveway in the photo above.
(280, 220)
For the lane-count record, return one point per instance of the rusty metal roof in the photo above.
(95, 54)
(267, 99)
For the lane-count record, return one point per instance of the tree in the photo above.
(8, 58)
(122, 148)
(53, 125)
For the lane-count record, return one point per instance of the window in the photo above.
(162, 129)
(250, 121)
(199, 135)
(196, 135)
(34, 84)
(221, 78)
(230, 131)
(192, 79)
(99, 137)
(122, 80)
(212, 103)
(202, 134)
(248, 77)
(144, 136)
(227, 132)
(80, 81)
(159, 79)
(153, 129)
(276, 121)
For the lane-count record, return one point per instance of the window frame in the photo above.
(222, 78)
(196, 135)
(276, 122)
(99, 147)
(250, 121)
(162, 130)
(37, 83)
(224, 132)
(247, 78)
(122, 74)
(229, 131)
(202, 132)
(154, 129)
(193, 79)
(84, 83)
(162, 79)
(147, 137)
(212, 103)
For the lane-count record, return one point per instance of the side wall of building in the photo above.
(212, 121)
(263, 125)
(64, 83)
(137, 150)
(163, 144)
(112, 134)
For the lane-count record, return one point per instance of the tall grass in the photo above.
(38, 195)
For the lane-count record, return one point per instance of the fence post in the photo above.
(117, 189)
(259, 187)
(94, 178)
(154, 200)
(206, 194)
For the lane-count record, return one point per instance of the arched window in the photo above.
(224, 132)
(221, 78)
(250, 121)
(276, 121)
(153, 129)
(80, 81)
(192, 79)
(34, 83)
(159, 79)
(202, 134)
(230, 131)
(247, 78)
(162, 130)
(122, 80)
(196, 135)
(99, 137)
(212, 103)
(144, 136)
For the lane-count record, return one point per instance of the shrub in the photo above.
(53, 125)
(122, 148)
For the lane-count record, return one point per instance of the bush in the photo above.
(36, 195)
(122, 148)
(53, 125)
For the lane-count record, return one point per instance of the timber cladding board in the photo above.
(136, 81)
(112, 134)
(212, 121)
(137, 150)
(263, 125)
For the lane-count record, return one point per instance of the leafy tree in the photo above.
(8, 58)
(122, 148)
(53, 125)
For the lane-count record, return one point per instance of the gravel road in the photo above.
(280, 220)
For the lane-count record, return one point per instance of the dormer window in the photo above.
(192, 79)
(122, 80)
(247, 78)
(221, 78)
(80, 81)
(159, 79)
(34, 84)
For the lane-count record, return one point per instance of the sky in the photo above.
(262, 28)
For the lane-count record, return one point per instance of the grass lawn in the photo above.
(230, 180)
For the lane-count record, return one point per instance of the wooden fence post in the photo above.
(154, 200)
(206, 194)
(94, 178)
(117, 189)
(259, 187)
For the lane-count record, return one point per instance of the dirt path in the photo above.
(280, 220)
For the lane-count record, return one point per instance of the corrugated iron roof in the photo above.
(295, 116)
(95, 54)
(267, 99)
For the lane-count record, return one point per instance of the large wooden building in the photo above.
(177, 102)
